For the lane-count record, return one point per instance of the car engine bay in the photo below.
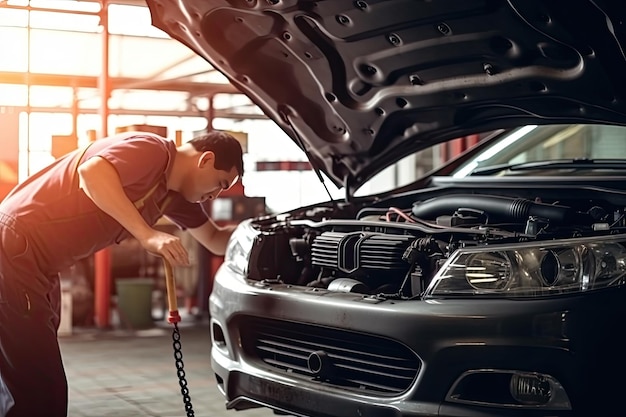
(394, 247)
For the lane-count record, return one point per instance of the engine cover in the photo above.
(360, 251)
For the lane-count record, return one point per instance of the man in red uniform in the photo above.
(87, 200)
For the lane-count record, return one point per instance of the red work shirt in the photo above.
(64, 225)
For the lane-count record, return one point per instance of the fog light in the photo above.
(510, 389)
(531, 389)
(217, 336)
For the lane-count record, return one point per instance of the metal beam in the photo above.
(174, 64)
(5, 5)
(221, 114)
(117, 83)
(150, 83)
(140, 3)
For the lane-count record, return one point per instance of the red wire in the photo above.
(400, 213)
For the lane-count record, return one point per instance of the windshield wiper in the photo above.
(579, 163)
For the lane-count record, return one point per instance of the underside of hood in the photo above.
(359, 84)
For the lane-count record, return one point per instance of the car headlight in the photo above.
(532, 269)
(239, 246)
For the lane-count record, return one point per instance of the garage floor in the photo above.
(121, 373)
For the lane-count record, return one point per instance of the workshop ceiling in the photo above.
(66, 51)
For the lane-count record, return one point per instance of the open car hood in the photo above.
(359, 84)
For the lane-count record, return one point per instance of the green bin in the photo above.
(134, 302)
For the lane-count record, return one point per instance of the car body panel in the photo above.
(492, 286)
(570, 337)
(359, 84)
(449, 337)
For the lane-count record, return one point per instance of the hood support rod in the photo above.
(300, 142)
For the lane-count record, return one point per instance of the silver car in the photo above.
(493, 285)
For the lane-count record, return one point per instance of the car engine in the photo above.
(396, 251)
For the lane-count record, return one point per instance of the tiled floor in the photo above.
(122, 373)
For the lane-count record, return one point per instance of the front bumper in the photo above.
(575, 339)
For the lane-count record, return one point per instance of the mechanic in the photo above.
(83, 202)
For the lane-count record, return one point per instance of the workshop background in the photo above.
(75, 71)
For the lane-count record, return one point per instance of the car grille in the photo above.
(354, 361)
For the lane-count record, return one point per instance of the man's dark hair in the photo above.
(227, 150)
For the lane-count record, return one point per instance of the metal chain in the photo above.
(182, 380)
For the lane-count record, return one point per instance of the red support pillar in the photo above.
(102, 259)
(457, 146)
(471, 140)
(451, 149)
(102, 288)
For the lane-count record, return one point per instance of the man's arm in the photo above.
(212, 236)
(101, 182)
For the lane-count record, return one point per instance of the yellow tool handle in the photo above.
(170, 286)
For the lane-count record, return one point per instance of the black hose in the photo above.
(366, 211)
(498, 209)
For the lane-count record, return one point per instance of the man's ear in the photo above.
(206, 157)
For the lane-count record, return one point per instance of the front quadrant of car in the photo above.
(491, 283)
(334, 316)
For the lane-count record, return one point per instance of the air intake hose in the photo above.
(500, 209)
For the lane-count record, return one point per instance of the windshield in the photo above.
(552, 150)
